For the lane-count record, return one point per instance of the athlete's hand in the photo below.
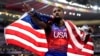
(26, 7)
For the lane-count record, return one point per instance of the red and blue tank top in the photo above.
(58, 38)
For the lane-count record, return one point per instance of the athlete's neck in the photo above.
(61, 23)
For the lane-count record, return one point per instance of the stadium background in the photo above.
(81, 12)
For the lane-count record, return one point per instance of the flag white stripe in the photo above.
(69, 46)
(72, 54)
(87, 50)
(90, 43)
(82, 36)
(41, 49)
(27, 24)
(27, 33)
(23, 23)
(77, 44)
(40, 31)
(77, 30)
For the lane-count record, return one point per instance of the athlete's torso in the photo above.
(57, 38)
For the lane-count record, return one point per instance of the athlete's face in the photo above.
(58, 13)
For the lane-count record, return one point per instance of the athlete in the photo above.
(56, 31)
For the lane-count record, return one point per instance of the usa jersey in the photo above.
(57, 39)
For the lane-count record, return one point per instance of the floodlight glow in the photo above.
(95, 7)
(0, 13)
(63, 1)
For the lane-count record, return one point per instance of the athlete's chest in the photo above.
(59, 32)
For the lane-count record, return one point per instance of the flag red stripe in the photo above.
(71, 41)
(73, 45)
(87, 54)
(74, 51)
(25, 37)
(27, 28)
(88, 47)
(19, 44)
(75, 32)
(79, 52)
(90, 39)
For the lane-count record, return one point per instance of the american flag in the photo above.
(26, 34)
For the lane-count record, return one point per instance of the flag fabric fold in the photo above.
(26, 34)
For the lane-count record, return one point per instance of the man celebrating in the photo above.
(59, 32)
(62, 35)
(56, 31)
